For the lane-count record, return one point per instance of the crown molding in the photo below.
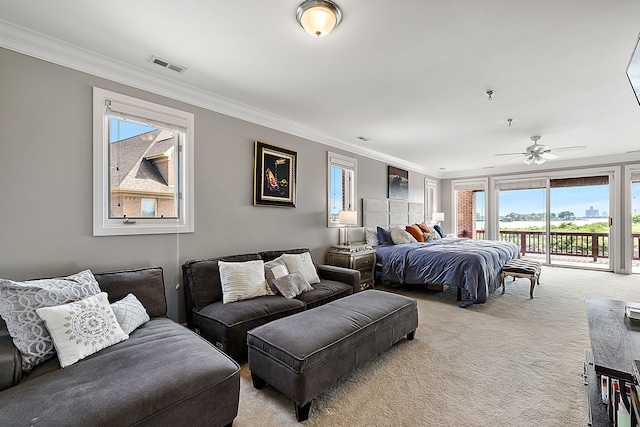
(40, 46)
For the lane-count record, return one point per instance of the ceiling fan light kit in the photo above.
(537, 154)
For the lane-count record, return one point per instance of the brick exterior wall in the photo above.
(466, 213)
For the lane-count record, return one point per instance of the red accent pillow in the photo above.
(415, 231)
(424, 227)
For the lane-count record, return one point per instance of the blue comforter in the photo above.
(472, 264)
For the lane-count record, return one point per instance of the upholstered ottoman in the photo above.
(303, 354)
(522, 268)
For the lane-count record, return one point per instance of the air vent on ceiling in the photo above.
(167, 64)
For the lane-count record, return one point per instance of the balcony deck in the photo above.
(572, 249)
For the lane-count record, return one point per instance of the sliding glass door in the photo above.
(579, 222)
(558, 220)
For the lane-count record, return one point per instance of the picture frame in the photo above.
(398, 187)
(274, 176)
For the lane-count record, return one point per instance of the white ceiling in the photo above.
(409, 75)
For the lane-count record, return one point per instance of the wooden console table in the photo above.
(615, 346)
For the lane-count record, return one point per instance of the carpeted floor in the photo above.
(512, 361)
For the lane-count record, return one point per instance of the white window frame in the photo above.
(345, 163)
(103, 225)
(430, 198)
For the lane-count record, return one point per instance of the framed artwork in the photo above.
(274, 176)
(398, 183)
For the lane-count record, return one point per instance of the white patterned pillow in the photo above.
(130, 313)
(302, 263)
(371, 236)
(81, 328)
(242, 280)
(18, 304)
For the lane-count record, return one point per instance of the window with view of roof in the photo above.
(142, 166)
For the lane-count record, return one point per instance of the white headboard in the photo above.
(389, 212)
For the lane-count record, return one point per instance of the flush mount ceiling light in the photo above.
(318, 17)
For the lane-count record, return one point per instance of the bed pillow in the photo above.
(439, 230)
(18, 304)
(292, 285)
(81, 328)
(415, 231)
(302, 263)
(270, 275)
(424, 227)
(400, 237)
(130, 313)
(371, 236)
(384, 237)
(242, 280)
(428, 237)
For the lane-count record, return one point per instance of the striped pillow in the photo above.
(242, 280)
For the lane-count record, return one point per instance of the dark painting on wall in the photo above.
(274, 176)
(398, 183)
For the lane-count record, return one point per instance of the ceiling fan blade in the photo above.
(574, 147)
(548, 156)
(511, 154)
(520, 157)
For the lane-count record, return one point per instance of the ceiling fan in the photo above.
(538, 154)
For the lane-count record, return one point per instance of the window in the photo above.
(148, 208)
(341, 186)
(430, 195)
(143, 167)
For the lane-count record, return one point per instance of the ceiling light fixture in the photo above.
(490, 95)
(318, 17)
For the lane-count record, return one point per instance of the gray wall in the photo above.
(46, 192)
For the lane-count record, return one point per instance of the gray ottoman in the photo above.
(303, 354)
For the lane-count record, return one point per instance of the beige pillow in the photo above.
(302, 263)
(400, 236)
(81, 328)
(242, 280)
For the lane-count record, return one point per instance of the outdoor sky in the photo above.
(574, 199)
(119, 129)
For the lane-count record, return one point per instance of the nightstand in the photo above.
(361, 258)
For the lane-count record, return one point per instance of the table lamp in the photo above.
(348, 218)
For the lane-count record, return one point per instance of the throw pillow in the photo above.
(81, 328)
(400, 237)
(384, 237)
(242, 280)
(18, 304)
(268, 273)
(371, 236)
(424, 227)
(130, 313)
(415, 231)
(439, 230)
(302, 263)
(293, 285)
(428, 237)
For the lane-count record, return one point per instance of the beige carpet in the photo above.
(510, 362)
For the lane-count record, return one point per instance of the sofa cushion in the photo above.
(324, 292)
(81, 328)
(162, 375)
(18, 304)
(147, 284)
(269, 273)
(226, 325)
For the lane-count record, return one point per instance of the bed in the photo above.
(472, 265)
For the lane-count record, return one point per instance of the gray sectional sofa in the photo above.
(226, 325)
(162, 375)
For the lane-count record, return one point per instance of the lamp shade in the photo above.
(348, 217)
(318, 17)
(438, 216)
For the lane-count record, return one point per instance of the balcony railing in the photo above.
(568, 243)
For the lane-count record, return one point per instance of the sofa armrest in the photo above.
(340, 274)
(10, 360)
